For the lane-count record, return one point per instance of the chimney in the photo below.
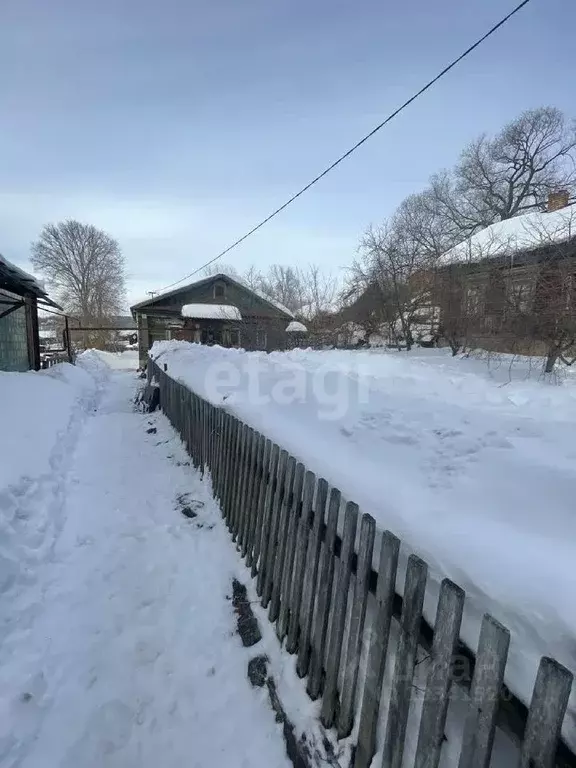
(558, 200)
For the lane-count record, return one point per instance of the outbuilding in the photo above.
(20, 296)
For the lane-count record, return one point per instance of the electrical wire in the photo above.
(356, 146)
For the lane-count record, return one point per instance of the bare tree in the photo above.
(401, 272)
(512, 173)
(85, 266)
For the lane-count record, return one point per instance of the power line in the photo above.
(356, 146)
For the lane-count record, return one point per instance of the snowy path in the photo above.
(122, 651)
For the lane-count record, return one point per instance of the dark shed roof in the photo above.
(14, 279)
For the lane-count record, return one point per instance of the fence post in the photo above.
(405, 661)
(260, 507)
(360, 599)
(336, 634)
(243, 487)
(377, 651)
(546, 714)
(309, 590)
(274, 523)
(247, 495)
(485, 695)
(300, 563)
(437, 696)
(290, 551)
(230, 464)
(248, 548)
(240, 474)
(266, 537)
(325, 582)
(274, 608)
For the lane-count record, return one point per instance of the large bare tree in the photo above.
(85, 266)
(511, 173)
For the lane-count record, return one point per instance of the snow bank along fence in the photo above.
(316, 583)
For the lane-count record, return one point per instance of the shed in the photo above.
(20, 296)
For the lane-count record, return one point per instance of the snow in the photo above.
(39, 284)
(117, 636)
(44, 334)
(472, 465)
(296, 327)
(521, 233)
(211, 312)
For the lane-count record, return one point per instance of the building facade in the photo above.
(216, 310)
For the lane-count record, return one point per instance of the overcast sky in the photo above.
(178, 125)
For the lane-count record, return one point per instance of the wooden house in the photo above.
(513, 282)
(215, 310)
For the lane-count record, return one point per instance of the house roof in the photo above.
(212, 278)
(14, 279)
(519, 234)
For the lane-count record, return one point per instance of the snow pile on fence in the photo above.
(474, 468)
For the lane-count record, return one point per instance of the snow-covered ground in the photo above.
(117, 634)
(472, 465)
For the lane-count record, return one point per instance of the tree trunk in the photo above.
(551, 359)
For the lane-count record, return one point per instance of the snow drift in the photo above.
(474, 468)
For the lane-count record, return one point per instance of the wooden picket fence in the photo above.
(314, 574)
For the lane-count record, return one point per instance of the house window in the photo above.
(219, 291)
(474, 299)
(520, 294)
(261, 338)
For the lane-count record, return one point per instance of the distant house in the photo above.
(514, 280)
(215, 310)
(20, 296)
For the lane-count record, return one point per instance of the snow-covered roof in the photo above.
(18, 277)
(233, 278)
(296, 327)
(522, 233)
(211, 312)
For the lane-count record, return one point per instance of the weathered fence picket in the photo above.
(549, 702)
(360, 599)
(248, 547)
(300, 563)
(400, 694)
(260, 506)
(273, 525)
(377, 650)
(266, 534)
(274, 608)
(484, 695)
(311, 571)
(319, 587)
(436, 697)
(338, 615)
(290, 551)
(324, 593)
